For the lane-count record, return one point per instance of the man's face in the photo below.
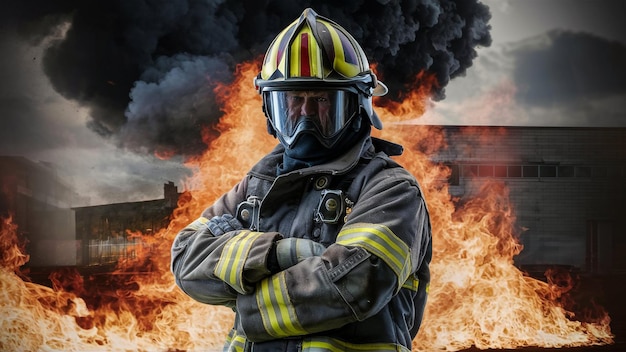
(312, 104)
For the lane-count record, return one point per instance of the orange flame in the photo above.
(477, 296)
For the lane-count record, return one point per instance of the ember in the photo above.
(477, 296)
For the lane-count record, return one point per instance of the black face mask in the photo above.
(308, 151)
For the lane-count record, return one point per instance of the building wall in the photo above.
(105, 231)
(53, 237)
(566, 187)
(39, 203)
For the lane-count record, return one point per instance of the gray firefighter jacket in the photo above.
(366, 291)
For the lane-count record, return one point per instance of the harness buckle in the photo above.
(248, 212)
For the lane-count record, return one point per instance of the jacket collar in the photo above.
(365, 148)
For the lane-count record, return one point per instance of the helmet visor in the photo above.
(323, 113)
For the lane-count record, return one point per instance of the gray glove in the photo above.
(291, 251)
(219, 225)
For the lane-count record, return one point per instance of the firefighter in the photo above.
(325, 244)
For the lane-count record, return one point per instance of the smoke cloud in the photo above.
(145, 70)
(564, 67)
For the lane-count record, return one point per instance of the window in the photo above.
(470, 170)
(547, 171)
(485, 171)
(530, 171)
(515, 171)
(566, 171)
(499, 171)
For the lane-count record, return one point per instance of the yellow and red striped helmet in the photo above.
(315, 52)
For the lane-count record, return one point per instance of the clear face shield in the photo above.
(322, 113)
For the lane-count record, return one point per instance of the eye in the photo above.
(321, 99)
(295, 98)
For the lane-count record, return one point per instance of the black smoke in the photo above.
(145, 69)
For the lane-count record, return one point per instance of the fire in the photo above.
(477, 296)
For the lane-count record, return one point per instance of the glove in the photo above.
(219, 225)
(291, 251)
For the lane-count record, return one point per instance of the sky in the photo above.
(98, 91)
(551, 63)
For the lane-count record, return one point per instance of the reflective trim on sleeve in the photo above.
(327, 344)
(382, 242)
(198, 223)
(234, 342)
(412, 283)
(230, 266)
(277, 313)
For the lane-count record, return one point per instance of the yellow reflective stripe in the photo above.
(270, 65)
(327, 344)
(294, 60)
(381, 238)
(277, 313)
(230, 266)
(340, 57)
(382, 242)
(234, 342)
(198, 223)
(412, 283)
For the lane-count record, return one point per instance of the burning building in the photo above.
(57, 234)
(567, 195)
(565, 184)
(106, 231)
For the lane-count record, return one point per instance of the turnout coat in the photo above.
(366, 291)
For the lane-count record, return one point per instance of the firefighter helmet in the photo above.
(315, 54)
